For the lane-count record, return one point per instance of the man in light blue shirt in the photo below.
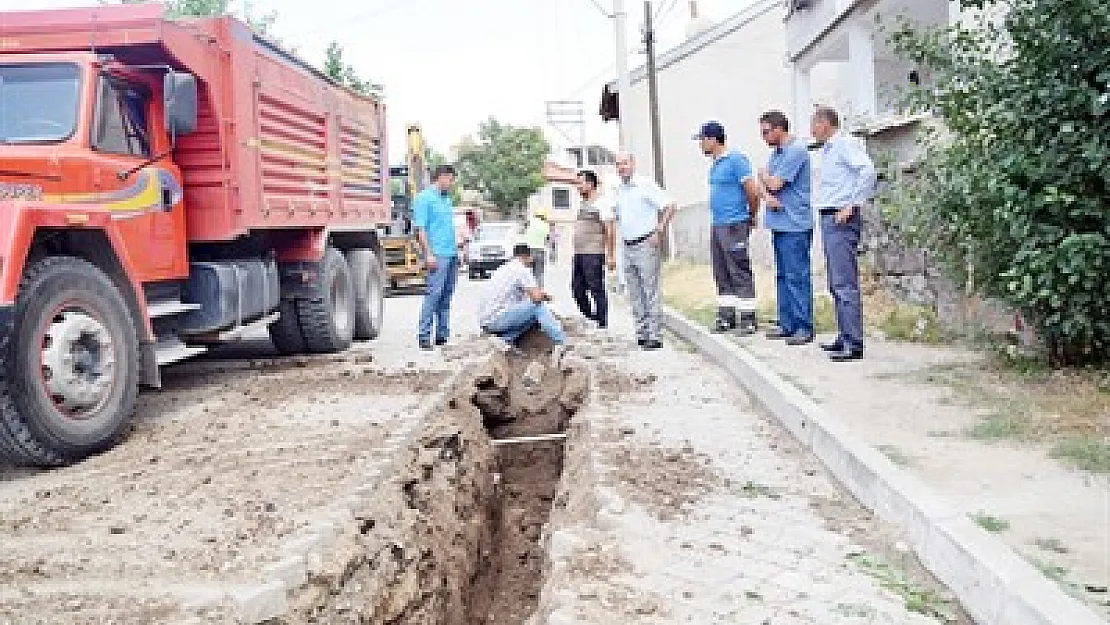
(789, 217)
(847, 182)
(642, 213)
(433, 216)
(733, 203)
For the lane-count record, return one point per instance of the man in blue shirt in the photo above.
(433, 216)
(733, 203)
(789, 217)
(847, 182)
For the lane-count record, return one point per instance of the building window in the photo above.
(560, 198)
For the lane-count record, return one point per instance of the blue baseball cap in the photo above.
(711, 130)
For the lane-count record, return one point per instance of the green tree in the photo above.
(505, 164)
(1016, 187)
(343, 73)
(261, 24)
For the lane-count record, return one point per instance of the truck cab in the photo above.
(165, 186)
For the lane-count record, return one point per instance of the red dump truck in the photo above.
(166, 185)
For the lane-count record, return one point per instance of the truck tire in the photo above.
(327, 319)
(71, 367)
(366, 272)
(285, 333)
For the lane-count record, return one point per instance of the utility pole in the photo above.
(624, 84)
(653, 95)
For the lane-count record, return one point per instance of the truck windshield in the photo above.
(38, 103)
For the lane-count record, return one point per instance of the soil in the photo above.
(507, 593)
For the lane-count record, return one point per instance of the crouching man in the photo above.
(512, 302)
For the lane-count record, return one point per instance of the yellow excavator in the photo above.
(404, 264)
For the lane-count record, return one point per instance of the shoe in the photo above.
(748, 324)
(778, 333)
(722, 325)
(425, 344)
(641, 342)
(800, 338)
(651, 345)
(441, 342)
(835, 346)
(846, 354)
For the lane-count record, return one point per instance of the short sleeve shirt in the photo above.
(791, 163)
(506, 289)
(638, 204)
(728, 204)
(589, 226)
(433, 213)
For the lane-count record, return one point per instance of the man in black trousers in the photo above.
(593, 250)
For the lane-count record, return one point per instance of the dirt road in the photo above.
(363, 488)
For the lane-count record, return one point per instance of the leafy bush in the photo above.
(1016, 188)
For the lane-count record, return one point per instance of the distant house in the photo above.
(560, 193)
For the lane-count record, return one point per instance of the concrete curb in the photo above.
(993, 583)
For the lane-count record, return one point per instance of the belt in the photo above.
(824, 211)
(640, 240)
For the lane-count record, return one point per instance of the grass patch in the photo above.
(751, 490)
(914, 324)
(895, 455)
(1086, 453)
(1053, 545)
(998, 427)
(917, 599)
(993, 524)
(1052, 571)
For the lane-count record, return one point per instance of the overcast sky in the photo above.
(450, 64)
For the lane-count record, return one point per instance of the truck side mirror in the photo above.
(179, 90)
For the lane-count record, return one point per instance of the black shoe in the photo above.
(722, 325)
(441, 342)
(425, 344)
(835, 346)
(799, 339)
(846, 354)
(650, 345)
(777, 333)
(641, 342)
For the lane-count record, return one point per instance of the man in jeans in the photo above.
(512, 302)
(789, 216)
(643, 212)
(593, 243)
(847, 182)
(733, 202)
(433, 216)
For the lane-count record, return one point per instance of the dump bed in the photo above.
(278, 145)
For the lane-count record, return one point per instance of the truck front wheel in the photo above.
(71, 371)
(369, 293)
(327, 319)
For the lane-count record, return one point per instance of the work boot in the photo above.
(747, 324)
(726, 319)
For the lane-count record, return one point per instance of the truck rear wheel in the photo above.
(369, 293)
(71, 371)
(285, 333)
(327, 319)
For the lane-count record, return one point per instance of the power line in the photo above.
(665, 10)
(597, 4)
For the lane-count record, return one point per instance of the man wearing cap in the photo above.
(733, 203)
(536, 235)
(643, 212)
(789, 217)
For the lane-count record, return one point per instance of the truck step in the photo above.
(166, 308)
(173, 350)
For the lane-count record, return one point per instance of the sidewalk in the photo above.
(981, 439)
(681, 503)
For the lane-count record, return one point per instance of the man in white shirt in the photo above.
(512, 302)
(643, 212)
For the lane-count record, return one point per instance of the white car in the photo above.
(490, 247)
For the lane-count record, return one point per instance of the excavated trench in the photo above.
(466, 546)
